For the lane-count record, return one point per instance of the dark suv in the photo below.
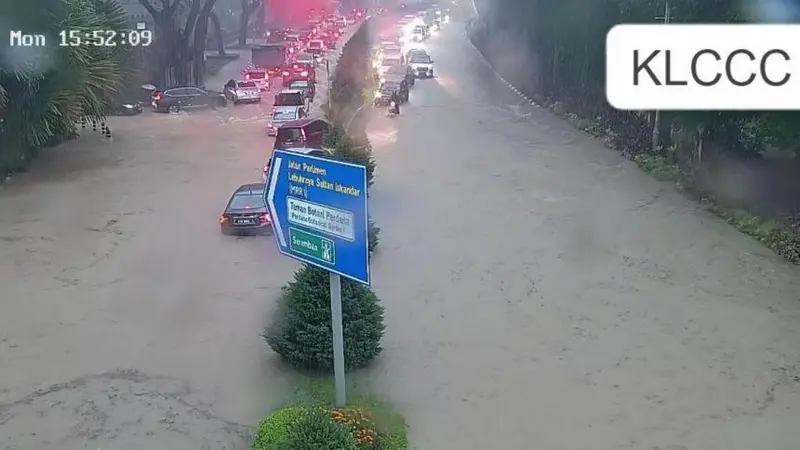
(188, 97)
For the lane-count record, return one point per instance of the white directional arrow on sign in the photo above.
(273, 181)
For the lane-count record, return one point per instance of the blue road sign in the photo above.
(319, 212)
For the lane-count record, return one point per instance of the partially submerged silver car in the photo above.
(283, 114)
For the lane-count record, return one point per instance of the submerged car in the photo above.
(246, 211)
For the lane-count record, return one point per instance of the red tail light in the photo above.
(304, 74)
(286, 74)
(158, 96)
(247, 77)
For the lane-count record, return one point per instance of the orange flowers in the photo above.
(360, 424)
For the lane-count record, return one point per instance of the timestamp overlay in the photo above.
(78, 38)
(19, 38)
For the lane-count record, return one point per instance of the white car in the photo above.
(242, 92)
(422, 64)
(281, 115)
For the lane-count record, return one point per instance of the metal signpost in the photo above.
(319, 216)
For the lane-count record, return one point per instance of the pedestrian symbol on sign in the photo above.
(327, 251)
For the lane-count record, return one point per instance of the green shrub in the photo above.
(301, 332)
(273, 432)
(373, 235)
(316, 430)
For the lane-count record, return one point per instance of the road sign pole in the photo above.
(338, 340)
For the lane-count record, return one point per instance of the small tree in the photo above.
(302, 332)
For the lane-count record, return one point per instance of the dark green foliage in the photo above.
(301, 332)
(345, 148)
(316, 430)
(373, 232)
(42, 99)
(352, 77)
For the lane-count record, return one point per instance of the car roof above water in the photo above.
(252, 189)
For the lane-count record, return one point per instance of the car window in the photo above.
(247, 84)
(257, 75)
(242, 200)
(195, 91)
(284, 114)
(177, 92)
(420, 58)
(286, 99)
(289, 134)
(298, 85)
(315, 44)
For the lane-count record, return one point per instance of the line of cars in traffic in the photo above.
(399, 61)
(289, 121)
(400, 58)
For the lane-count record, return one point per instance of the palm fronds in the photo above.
(45, 91)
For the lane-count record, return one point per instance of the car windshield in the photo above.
(299, 85)
(292, 38)
(288, 99)
(289, 134)
(284, 114)
(242, 200)
(389, 88)
(247, 84)
(305, 57)
(315, 44)
(257, 75)
(420, 58)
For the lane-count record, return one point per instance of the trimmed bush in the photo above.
(321, 427)
(302, 332)
(372, 423)
(273, 431)
(317, 430)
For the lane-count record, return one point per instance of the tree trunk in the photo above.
(243, 20)
(199, 50)
(217, 33)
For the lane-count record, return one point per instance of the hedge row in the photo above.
(301, 332)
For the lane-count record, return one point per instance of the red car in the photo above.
(297, 71)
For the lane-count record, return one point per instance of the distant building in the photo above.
(136, 13)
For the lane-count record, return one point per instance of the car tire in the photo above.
(174, 109)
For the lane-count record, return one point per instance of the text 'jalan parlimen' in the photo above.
(314, 176)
